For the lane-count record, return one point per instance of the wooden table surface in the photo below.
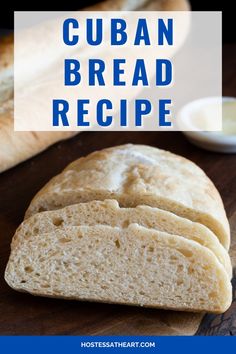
(25, 314)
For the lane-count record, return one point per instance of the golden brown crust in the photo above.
(6, 52)
(6, 67)
(175, 5)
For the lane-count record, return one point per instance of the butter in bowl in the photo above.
(201, 123)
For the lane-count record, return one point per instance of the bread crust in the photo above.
(20, 146)
(6, 67)
(136, 175)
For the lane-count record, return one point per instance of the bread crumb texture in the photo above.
(131, 266)
(130, 225)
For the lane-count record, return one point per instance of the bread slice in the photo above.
(134, 265)
(109, 213)
(138, 175)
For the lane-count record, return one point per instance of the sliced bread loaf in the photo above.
(135, 265)
(109, 213)
(136, 175)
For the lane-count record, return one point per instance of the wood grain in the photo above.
(25, 314)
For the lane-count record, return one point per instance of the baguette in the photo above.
(133, 266)
(138, 175)
(20, 146)
(7, 42)
(109, 213)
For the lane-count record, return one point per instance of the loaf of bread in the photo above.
(109, 213)
(19, 146)
(136, 175)
(16, 147)
(117, 226)
(132, 265)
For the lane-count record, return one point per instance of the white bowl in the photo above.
(213, 141)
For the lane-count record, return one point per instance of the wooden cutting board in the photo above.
(25, 314)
